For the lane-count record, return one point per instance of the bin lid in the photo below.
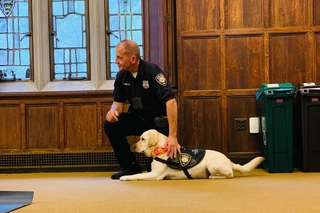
(309, 87)
(286, 85)
(281, 89)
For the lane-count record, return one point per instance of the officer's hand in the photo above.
(112, 116)
(173, 146)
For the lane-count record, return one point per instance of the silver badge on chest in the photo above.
(145, 84)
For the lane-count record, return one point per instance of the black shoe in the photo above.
(129, 170)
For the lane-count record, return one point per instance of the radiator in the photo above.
(62, 160)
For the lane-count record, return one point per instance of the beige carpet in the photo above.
(96, 192)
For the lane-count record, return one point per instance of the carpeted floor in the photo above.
(96, 192)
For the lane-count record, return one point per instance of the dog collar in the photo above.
(159, 150)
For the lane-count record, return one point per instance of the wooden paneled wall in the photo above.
(226, 49)
(54, 122)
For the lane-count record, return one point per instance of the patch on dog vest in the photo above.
(187, 159)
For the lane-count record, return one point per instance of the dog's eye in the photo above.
(142, 139)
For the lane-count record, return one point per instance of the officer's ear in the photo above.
(133, 59)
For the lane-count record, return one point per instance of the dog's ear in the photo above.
(153, 139)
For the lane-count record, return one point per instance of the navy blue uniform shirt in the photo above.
(150, 87)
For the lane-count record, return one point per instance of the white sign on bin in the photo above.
(272, 85)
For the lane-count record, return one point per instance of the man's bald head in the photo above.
(130, 48)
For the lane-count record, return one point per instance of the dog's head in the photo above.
(149, 140)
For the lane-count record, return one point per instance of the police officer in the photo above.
(152, 106)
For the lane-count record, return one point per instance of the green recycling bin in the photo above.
(275, 111)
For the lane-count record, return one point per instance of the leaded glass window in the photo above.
(125, 22)
(45, 62)
(15, 36)
(70, 40)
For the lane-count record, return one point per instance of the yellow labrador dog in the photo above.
(191, 164)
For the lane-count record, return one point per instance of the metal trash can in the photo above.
(309, 97)
(275, 111)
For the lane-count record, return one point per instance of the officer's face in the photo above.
(124, 61)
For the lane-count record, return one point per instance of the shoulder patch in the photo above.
(161, 79)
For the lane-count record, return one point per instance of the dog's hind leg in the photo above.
(219, 170)
(216, 177)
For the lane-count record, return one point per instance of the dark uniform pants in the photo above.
(128, 124)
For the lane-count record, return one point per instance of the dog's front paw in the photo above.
(125, 178)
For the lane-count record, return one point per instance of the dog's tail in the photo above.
(248, 167)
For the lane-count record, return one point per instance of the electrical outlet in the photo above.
(240, 124)
(254, 125)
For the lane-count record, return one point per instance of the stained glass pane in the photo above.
(125, 22)
(70, 45)
(14, 40)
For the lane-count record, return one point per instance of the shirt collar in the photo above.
(142, 68)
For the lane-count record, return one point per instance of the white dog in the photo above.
(207, 164)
